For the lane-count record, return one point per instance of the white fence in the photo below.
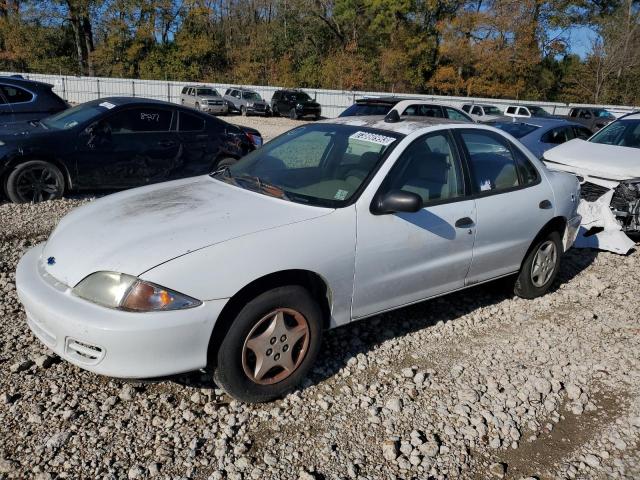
(82, 89)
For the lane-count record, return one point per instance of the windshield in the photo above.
(251, 96)
(366, 109)
(76, 115)
(625, 133)
(491, 110)
(538, 111)
(209, 92)
(302, 97)
(517, 130)
(322, 164)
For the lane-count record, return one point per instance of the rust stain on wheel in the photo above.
(276, 346)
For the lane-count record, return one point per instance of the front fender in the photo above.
(323, 245)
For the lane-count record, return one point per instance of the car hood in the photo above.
(136, 230)
(596, 159)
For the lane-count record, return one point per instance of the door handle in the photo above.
(166, 143)
(545, 204)
(464, 222)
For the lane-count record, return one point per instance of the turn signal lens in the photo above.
(126, 292)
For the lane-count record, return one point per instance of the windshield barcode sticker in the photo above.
(373, 138)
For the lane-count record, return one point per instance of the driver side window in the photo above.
(429, 167)
(140, 119)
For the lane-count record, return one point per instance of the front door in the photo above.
(131, 147)
(513, 203)
(406, 257)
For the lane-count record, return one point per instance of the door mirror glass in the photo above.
(397, 201)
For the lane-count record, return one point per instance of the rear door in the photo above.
(134, 146)
(513, 200)
(200, 145)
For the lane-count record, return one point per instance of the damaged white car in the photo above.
(608, 167)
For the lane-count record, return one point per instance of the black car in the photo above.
(295, 104)
(115, 143)
(373, 106)
(22, 100)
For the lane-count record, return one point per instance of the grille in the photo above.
(260, 106)
(215, 102)
(591, 192)
(83, 352)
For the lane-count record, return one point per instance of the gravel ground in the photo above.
(476, 385)
(269, 127)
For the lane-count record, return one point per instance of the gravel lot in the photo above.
(475, 385)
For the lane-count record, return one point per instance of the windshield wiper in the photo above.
(264, 186)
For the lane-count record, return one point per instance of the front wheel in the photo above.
(270, 345)
(540, 267)
(34, 181)
(292, 114)
(243, 111)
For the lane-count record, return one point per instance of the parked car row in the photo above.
(202, 267)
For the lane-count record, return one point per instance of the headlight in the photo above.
(126, 292)
(2, 144)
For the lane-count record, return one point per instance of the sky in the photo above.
(580, 39)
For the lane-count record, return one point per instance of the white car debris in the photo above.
(608, 167)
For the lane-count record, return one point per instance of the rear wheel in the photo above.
(34, 181)
(540, 267)
(270, 346)
(292, 114)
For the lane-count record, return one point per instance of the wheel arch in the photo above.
(556, 224)
(15, 161)
(312, 281)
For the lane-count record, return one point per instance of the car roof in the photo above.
(118, 101)
(23, 82)
(408, 102)
(389, 100)
(631, 116)
(405, 125)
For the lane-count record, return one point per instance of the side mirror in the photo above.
(396, 201)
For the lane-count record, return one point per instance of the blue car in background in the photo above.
(542, 134)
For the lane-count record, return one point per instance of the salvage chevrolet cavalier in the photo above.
(331, 222)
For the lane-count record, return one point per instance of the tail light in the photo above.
(256, 140)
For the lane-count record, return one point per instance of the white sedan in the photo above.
(242, 270)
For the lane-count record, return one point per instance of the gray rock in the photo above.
(498, 469)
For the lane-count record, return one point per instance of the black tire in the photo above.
(292, 114)
(230, 372)
(34, 181)
(274, 110)
(532, 283)
(316, 117)
(243, 110)
(197, 105)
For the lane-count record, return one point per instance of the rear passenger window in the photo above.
(491, 162)
(528, 173)
(141, 119)
(430, 168)
(15, 94)
(466, 108)
(190, 123)
(511, 110)
(424, 111)
(555, 136)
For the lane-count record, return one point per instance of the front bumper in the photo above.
(254, 111)
(112, 342)
(571, 232)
